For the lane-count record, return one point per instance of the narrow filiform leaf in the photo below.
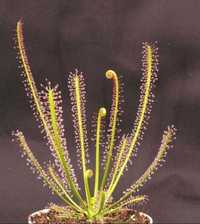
(168, 137)
(36, 167)
(150, 61)
(76, 86)
(39, 110)
(52, 103)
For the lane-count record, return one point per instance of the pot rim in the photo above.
(46, 210)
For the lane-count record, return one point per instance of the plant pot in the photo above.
(45, 211)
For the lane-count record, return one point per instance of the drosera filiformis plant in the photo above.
(93, 203)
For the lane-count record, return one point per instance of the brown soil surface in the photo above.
(121, 218)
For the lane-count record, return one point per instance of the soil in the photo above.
(119, 218)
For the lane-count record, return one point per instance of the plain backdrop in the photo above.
(94, 36)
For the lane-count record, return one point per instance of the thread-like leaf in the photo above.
(36, 167)
(56, 132)
(167, 139)
(130, 202)
(150, 75)
(150, 69)
(77, 93)
(40, 110)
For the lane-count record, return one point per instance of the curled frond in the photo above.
(88, 176)
(101, 115)
(110, 74)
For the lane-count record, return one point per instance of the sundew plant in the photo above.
(95, 201)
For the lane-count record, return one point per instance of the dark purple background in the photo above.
(94, 36)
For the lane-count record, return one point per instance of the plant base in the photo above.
(46, 216)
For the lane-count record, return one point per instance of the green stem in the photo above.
(115, 178)
(59, 183)
(101, 202)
